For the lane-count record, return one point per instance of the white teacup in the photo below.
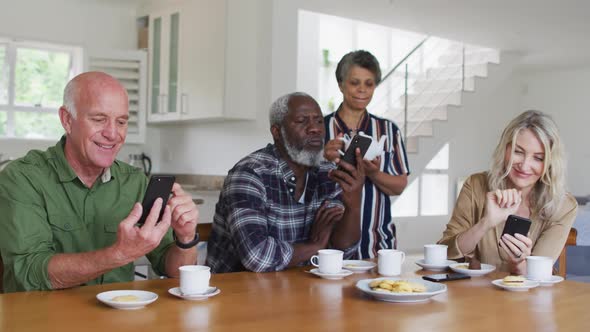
(435, 254)
(328, 260)
(194, 279)
(539, 268)
(389, 262)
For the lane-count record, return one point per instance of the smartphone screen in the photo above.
(358, 141)
(445, 277)
(159, 186)
(515, 224)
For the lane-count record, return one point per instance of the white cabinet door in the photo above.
(188, 56)
(164, 66)
(203, 43)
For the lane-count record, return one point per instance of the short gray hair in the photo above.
(280, 107)
(70, 92)
(361, 58)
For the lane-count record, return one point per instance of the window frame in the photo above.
(10, 108)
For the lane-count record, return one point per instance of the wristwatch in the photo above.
(186, 245)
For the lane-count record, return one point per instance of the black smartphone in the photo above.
(515, 224)
(446, 277)
(159, 186)
(358, 141)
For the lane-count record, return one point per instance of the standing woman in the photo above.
(527, 179)
(358, 74)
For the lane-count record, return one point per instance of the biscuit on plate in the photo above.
(513, 280)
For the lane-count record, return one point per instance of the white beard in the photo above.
(300, 155)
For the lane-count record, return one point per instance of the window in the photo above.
(427, 195)
(32, 78)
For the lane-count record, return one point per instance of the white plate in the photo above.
(432, 289)
(358, 266)
(550, 282)
(434, 267)
(485, 269)
(211, 291)
(145, 298)
(332, 276)
(526, 285)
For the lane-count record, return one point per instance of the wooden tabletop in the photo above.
(296, 301)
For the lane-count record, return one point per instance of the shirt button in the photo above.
(67, 226)
(292, 178)
(291, 190)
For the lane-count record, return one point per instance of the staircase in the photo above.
(428, 83)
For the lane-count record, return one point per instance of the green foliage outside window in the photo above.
(37, 125)
(40, 77)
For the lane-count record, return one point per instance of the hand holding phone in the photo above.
(357, 141)
(515, 224)
(446, 277)
(160, 186)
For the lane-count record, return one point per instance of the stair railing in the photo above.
(429, 50)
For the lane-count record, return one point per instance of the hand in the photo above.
(372, 167)
(500, 204)
(321, 230)
(331, 149)
(134, 242)
(184, 214)
(351, 179)
(517, 247)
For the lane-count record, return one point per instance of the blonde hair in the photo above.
(548, 192)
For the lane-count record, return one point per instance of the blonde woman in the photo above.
(527, 179)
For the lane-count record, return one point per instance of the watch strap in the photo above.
(186, 245)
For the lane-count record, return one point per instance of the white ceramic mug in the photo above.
(328, 260)
(435, 254)
(194, 279)
(389, 262)
(539, 268)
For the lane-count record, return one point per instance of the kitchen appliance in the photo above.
(141, 161)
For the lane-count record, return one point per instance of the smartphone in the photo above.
(159, 186)
(445, 277)
(515, 224)
(358, 141)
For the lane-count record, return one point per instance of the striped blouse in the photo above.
(377, 228)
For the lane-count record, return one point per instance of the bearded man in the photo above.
(281, 204)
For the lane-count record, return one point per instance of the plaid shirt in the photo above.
(257, 219)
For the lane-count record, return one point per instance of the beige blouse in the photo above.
(548, 236)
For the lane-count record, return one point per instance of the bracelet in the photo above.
(186, 245)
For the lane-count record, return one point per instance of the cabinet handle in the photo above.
(184, 103)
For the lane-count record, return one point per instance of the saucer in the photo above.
(357, 266)
(332, 276)
(434, 267)
(549, 282)
(211, 291)
(143, 298)
(526, 285)
(462, 268)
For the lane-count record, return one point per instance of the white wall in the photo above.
(92, 24)
(564, 94)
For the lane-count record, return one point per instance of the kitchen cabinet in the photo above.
(187, 62)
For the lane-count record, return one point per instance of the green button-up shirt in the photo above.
(45, 210)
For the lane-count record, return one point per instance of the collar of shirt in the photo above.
(64, 170)
(289, 176)
(363, 125)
